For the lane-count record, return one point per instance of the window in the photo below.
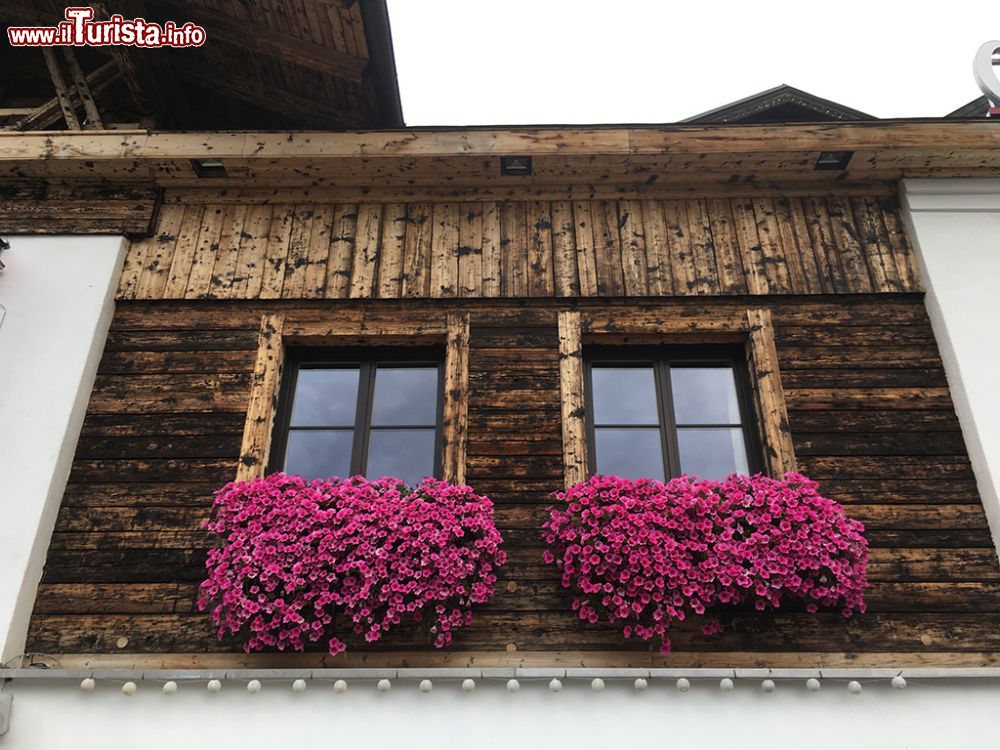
(371, 412)
(666, 411)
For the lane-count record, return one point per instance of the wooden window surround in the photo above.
(752, 328)
(281, 330)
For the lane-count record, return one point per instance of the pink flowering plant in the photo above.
(347, 559)
(645, 553)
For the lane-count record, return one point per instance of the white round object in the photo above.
(641, 683)
(899, 682)
(683, 684)
(299, 686)
(854, 687)
(214, 686)
(555, 686)
(468, 685)
(985, 74)
(726, 684)
(340, 686)
(426, 686)
(597, 684)
(813, 685)
(254, 686)
(767, 686)
(129, 688)
(88, 684)
(513, 686)
(384, 686)
(169, 688)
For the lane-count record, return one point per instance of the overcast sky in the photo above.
(479, 62)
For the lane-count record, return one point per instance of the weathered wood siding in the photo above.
(868, 405)
(583, 248)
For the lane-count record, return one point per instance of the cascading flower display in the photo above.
(646, 553)
(306, 561)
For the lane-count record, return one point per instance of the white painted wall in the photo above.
(955, 228)
(927, 714)
(58, 298)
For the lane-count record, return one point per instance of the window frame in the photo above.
(662, 358)
(367, 359)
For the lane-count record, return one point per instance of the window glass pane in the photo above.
(631, 453)
(325, 398)
(624, 395)
(405, 454)
(319, 453)
(704, 395)
(712, 453)
(405, 396)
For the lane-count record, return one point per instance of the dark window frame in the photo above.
(367, 359)
(662, 358)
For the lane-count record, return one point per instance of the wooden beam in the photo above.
(571, 388)
(456, 398)
(82, 89)
(62, 92)
(255, 450)
(98, 82)
(776, 436)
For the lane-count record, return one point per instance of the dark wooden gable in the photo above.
(781, 104)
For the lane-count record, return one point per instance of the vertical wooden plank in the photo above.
(444, 250)
(366, 251)
(586, 255)
(62, 91)
(745, 223)
(831, 272)
(492, 251)
(875, 242)
(417, 257)
(540, 279)
(159, 255)
(658, 273)
(779, 452)
(200, 279)
(470, 250)
(902, 252)
(679, 248)
(608, 247)
(341, 251)
(567, 283)
(513, 249)
(729, 261)
(135, 259)
(262, 406)
(298, 252)
(771, 256)
(571, 387)
(392, 251)
(233, 220)
(249, 271)
(799, 257)
(852, 257)
(633, 239)
(455, 426)
(276, 254)
(184, 251)
(317, 253)
(706, 274)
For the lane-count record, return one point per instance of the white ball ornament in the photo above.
(641, 684)
(299, 686)
(214, 686)
(597, 685)
(854, 687)
(468, 685)
(384, 686)
(899, 682)
(767, 686)
(254, 686)
(513, 686)
(340, 687)
(555, 686)
(426, 686)
(683, 684)
(88, 684)
(129, 688)
(726, 685)
(813, 685)
(169, 688)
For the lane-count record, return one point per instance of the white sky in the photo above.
(473, 62)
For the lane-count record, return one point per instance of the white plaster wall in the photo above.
(955, 228)
(929, 714)
(58, 298)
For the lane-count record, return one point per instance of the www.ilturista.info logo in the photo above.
(80, 30)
